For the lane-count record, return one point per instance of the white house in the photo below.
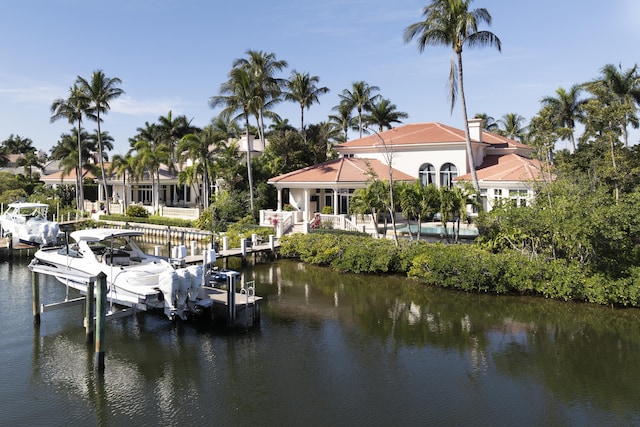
(432, 152)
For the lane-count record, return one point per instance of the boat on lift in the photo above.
(134, 278)
(27, 223)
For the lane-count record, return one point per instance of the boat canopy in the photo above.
(98, 234)
(27, 205)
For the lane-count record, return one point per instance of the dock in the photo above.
(10, 250)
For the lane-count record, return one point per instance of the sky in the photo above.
(173, 55)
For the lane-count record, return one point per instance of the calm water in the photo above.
(332, 349)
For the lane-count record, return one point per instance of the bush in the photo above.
(137, 211)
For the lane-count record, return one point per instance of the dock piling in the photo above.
(89, 312)
(35, 288)
(101, 314)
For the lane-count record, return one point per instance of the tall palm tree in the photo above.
(72, 109)
(566, 110)
(239, 94)
(101, 90)
(262, 68)
(171, 130)
(302, 88)
(451, 23)
(625, 87)
(361, 97)
(512, 125)
(382, 114)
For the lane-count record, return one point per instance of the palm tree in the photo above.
(30, 160)
(490, 124)
(343, 118)
(625, 87)
(512, 126)
(382, 114)
(451, 23)
(198, 147)
(361, 97)
(4, 157)
(566, 110)
(73, 108)
(66, 152)
(261, 68)
(239, 94)
(151, 157)
(301, 88)
(16, 144)
(123, 167)
(101, 90)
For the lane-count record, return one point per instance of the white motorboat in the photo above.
(134, 279)
(27, 223)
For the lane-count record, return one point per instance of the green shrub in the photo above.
(137, 211)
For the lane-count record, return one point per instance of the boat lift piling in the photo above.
(101, 305)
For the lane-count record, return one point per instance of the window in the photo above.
(448, 172)
(427, 174)
(519, 197)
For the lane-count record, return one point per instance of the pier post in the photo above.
(169, 241)
(272, 242)
(35, 289)
(231, 299)
(101, 315)
(243, 250)
(193, 247)
(225, 243)
(10, 243)
(89, 306)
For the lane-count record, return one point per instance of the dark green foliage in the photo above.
(137, 211)
(464, 267)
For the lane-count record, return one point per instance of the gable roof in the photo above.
(510, 167)
(427, 133)
(341, 170)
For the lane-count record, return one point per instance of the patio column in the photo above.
(279, 206)
(307, 214)
(335, 201)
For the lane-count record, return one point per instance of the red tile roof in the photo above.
(510, 167)
(426, 133)
(342, 170)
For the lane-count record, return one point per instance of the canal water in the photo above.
(331, 349)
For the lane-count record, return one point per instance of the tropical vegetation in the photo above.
(579, 238)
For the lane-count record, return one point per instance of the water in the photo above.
(332, 349)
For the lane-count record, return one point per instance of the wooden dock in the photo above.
(9, 250)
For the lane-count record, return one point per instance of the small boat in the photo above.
(27, 223)
(134, 278)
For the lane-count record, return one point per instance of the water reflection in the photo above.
(332, 349)
(580, 353)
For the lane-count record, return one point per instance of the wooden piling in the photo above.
(89, 312)
(101, 314)
(35, 290)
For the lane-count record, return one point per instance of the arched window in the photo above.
(448, 172)
(427, 174)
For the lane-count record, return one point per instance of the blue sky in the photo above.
(173, 55)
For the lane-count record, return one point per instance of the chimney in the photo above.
(475, 129)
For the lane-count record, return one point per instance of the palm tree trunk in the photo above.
(79, 189)
(104, 177)
(472, 166)
(249, 174)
